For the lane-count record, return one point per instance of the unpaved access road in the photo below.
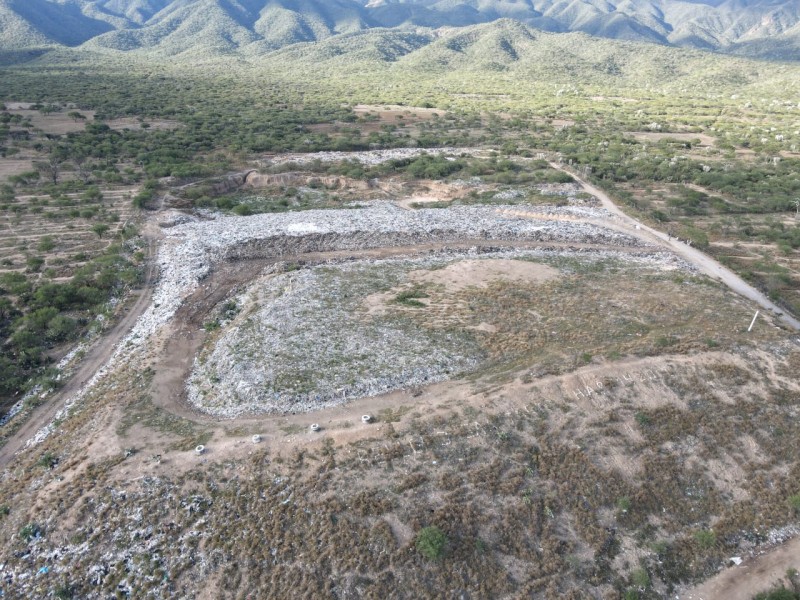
(755, 575)
(702, 261)
(96, 356)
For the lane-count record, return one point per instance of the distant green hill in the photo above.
(510, 64)
(762, 28)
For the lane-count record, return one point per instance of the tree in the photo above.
(49, 108)
(76, 116)
(100, 229)
(51, 168)
(83, 167)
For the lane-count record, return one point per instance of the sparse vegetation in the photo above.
(649, 375)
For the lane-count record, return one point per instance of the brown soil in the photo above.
(425, 192)
(481, 273)
(14, 166)
(55, 123)
(461, 275)
(59, 123)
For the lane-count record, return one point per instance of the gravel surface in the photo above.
(308, 344)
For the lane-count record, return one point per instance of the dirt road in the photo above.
(95, 358)
(702, 261)
(755, 575)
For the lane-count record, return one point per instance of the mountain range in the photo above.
(761, 28)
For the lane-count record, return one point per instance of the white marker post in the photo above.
(753, 322)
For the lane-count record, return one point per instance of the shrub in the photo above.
(623, 504)
(30, 532)
(64, 592)
(48, 460)
(706, 538)
(779, 593)
(640, 578)
(431, 542)
(46, 244)
(410, 298)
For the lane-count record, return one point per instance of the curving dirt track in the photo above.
(184, 335)
(96, 356)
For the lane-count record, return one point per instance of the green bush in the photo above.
(706, 538)
(30, 531)
(640, 578)
(431, 542)
(410, 298)
(779, 593)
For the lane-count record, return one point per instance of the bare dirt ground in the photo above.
(753, 576)
(463, 274)
(426, 192)
(344, 425)
(59, 123)
(480, 273)
(20, 233)
(14, 166)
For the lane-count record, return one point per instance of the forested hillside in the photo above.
(763, 28)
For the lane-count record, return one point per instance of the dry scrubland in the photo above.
(660, 466)
(560, 408)
(610, 427)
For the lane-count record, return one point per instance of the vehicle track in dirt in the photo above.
(96, 356)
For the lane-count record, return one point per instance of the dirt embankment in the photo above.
(256, 180)
(753, 576)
